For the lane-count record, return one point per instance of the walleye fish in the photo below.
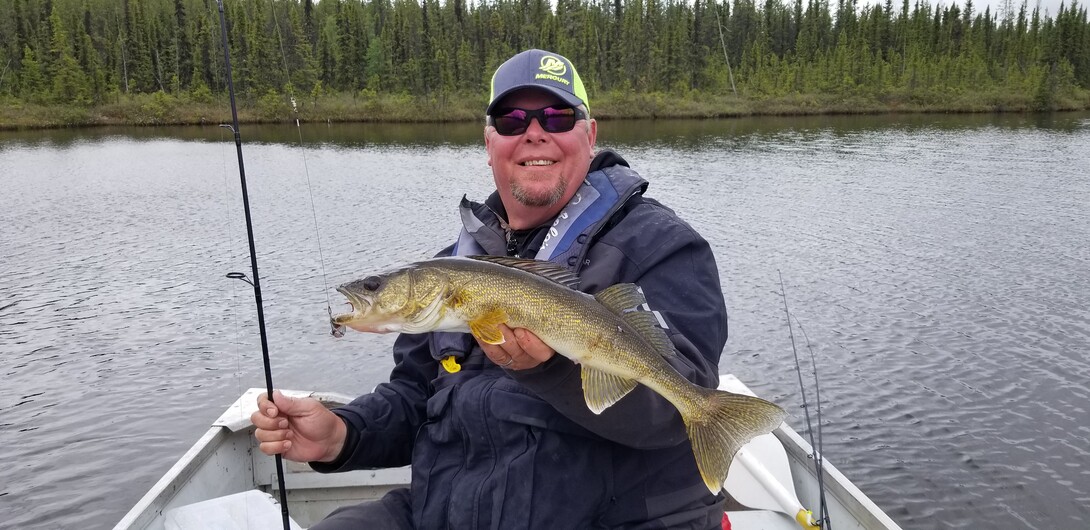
(615, 344)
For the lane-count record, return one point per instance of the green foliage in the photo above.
(88, 52)
(5, 68)
(200, 93)
(273, 106)
(318, 91)
(31, 78)
(69, 80)
(157, 108)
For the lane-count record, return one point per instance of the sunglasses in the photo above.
(515, 121)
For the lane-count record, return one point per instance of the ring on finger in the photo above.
(510, 361)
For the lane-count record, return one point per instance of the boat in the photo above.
(224, 481)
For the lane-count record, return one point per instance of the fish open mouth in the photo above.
(359, 305)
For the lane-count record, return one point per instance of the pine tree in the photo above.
(31, 78)
(69, 82)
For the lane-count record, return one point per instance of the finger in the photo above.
(495, 353)
(265, 406)
(272, 435)
(501, 353)
(510, 346)
(275, 448)
(533, 346)
(282, 404)
(262, 421)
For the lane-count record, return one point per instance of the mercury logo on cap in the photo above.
(554, 68)
(550, 64)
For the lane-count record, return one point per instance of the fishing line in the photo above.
(256, 283)
(229, 221)
(337, 331)
(823, 516)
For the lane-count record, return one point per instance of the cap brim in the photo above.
(567, 97)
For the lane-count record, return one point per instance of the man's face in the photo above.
(536, 172)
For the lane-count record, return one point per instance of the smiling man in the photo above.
(500, 436)
(537, 166)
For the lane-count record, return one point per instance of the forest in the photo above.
(161, 61)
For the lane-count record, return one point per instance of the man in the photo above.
(499, 436)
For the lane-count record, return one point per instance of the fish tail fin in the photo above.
(720, 427)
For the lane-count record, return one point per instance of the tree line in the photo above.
(90, 52)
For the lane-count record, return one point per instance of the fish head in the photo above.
(404, 300)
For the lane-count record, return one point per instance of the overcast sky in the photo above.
(1049, 6)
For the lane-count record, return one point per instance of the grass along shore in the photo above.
(166, 109)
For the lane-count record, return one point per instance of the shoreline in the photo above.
(162, 109)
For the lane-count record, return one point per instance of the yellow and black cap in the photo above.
(538, 69)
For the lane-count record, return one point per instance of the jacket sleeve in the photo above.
(382, 425)
(680, 279)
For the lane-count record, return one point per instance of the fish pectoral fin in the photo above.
(487, 327)
(602, 389)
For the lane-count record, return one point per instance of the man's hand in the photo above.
(301, 429)
(520, 350)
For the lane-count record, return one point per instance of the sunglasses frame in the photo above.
(539, 115)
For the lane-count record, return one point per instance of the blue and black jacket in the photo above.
(492, 448)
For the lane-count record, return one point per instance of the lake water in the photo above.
(939, 266)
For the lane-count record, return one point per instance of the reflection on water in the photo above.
(339, 134)
(936, 263)
(668, 133)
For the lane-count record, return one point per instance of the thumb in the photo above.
(285, 404)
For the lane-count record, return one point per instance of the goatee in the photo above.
(523, 196)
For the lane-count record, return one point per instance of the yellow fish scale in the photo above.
(574, 324)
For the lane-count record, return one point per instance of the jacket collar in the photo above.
(608, 185)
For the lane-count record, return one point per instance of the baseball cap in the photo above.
(538, 69)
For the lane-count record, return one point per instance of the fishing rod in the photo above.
(256, 283)
(823, 510)
(819, 462)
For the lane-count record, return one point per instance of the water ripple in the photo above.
(938, 270)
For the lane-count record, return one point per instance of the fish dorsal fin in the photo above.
(545, 269)
(626, 300)
(602, 389)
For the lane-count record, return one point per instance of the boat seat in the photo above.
(239, 511)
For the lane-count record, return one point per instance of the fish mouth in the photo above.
(360, 306)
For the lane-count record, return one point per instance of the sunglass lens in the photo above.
(558, 119)
(552, 119)
(512, 122)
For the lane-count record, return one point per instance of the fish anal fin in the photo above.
(627, 301)
(602, 389)
(486, 327)
(727, 422)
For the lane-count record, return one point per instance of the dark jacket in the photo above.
(492, 448)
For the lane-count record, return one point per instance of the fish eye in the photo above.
(372, 283)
